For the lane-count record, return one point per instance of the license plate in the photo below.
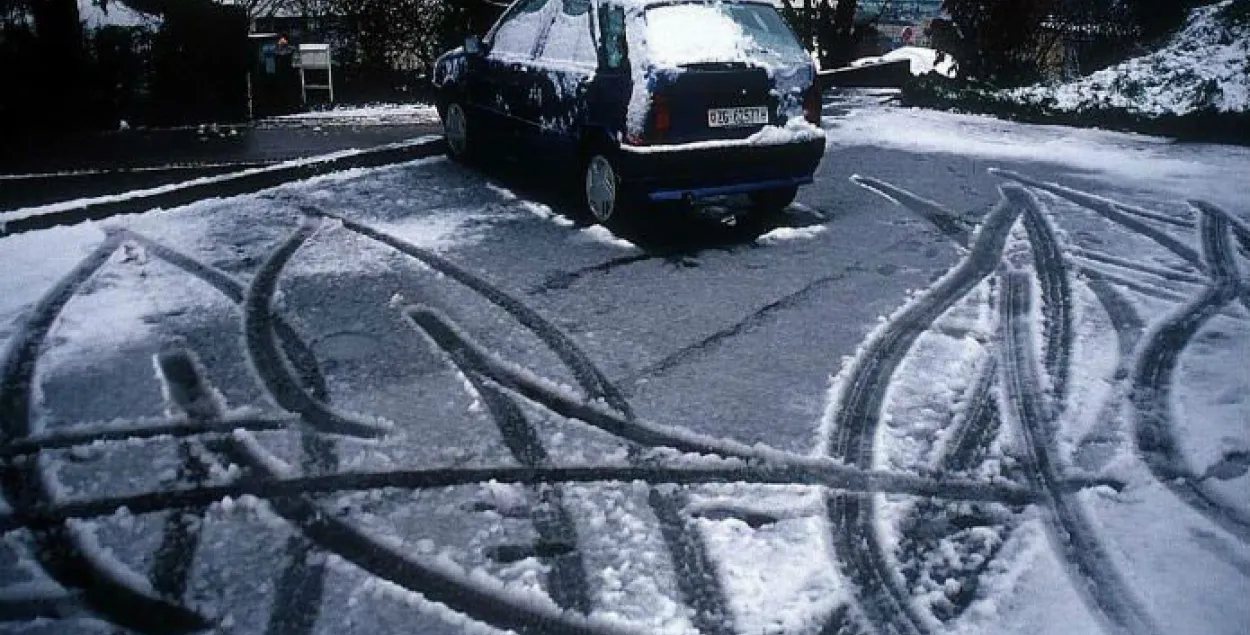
(737, 117)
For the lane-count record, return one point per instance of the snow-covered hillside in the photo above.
(1204, 66)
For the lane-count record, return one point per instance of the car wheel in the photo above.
(456, 131)
(602, 194)
(775, 200)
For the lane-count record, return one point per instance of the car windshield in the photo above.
(696, 33)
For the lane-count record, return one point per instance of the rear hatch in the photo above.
(713, 70)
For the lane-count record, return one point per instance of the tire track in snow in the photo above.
(955, 227)
(1241, 230)
(1093, 572)
(43, 515)
(292, 363)
(562, 280)
(272, 368)
(1129, 218)
(1052, 273)
(179, 372)
(64, 552)
(691, 561)
(855, 535)
(584, 370)
(567, 581)
(1153, 381)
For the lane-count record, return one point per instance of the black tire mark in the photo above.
(271, 366)
(567, 580)
(695, 573)
(561, 280)
(1148, 290)
(880, 595)
(301, 582)
(182, 375)
(583, 369)
(954, 226)
(1242, 231)
(302, 359)
(654, 435)
(1152, 382)
(1124, 317)
(1093, 202)
(1094, 574)
(1052, 273)
(59, 549)
(436, 585)
(710, 601)
(1167, 273)
(43, 515)
(174, 428)
(1129, 218)
(980, 424)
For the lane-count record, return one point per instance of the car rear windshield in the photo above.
(697, 33)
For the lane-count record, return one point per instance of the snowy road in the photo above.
(982, 378)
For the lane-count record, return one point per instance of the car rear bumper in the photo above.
(700, 170)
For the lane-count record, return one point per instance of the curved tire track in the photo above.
(566, 582)
(1052, 273)
(61, 550)
(1094, 573)
(271, 366)
(1153, 379)
(697, 579)
(881, 596)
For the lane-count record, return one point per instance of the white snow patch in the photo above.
(1117, 158)
(1205, 65)
(780, 577)
(376, 114)
(788, 234)
(923, 60)
(33, 263)
(604, 236)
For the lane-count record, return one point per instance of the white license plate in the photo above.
(737, 117)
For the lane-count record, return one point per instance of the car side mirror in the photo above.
(473, 45)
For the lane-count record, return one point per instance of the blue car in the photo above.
(640, 100)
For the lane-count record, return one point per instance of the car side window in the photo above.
(613, 52)
(570, 40)
(516, 35)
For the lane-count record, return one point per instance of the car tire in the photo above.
(604, 199)
(456, 131)
(773, 200)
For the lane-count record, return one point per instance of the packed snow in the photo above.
(1206, 66)
(922, 60)
(373, 115)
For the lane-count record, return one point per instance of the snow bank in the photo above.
(376, 114)
(923, 61)
(1205, 66)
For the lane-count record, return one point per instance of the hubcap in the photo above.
(455, 129)
(600, 188)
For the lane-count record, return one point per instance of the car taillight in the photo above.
(661, 118)
(811, 104)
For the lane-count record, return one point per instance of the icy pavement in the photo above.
(957, 388)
